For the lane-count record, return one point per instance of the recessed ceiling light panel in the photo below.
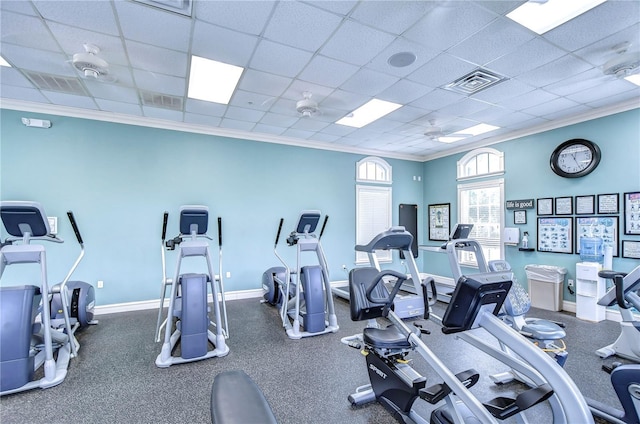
(542, 16)
(212, 81)
(368, 112)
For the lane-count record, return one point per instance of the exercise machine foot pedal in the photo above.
(437, 392)
(503, 407)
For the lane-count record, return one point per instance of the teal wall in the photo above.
(119, 179)
(528, 175)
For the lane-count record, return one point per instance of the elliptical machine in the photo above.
(303, 296)
(25, 343)
(475, 303)
(188, 301)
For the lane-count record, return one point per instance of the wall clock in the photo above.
(575, 158)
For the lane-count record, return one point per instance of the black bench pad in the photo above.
(237, 399)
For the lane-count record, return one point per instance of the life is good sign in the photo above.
(520, 204)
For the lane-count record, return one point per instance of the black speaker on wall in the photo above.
(408, 218)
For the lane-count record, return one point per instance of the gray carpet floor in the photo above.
(115, 380)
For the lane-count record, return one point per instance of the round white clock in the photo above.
(575, 158)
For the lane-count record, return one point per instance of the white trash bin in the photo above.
(545, 286)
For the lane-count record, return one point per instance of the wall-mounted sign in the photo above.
(520, 204)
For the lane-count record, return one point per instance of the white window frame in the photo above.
(374, 165)
(375, 195)
(499, 182)
(473, 156)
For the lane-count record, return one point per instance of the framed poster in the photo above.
(631, 249)
(545, 206)
(632, 213)
(520, 217)
(608, 203)
(605, 227)
(585, 205)
(555, 234)
(564, 205)
(439, 218)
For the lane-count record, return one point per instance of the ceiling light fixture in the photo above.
(635, 79)
(368, 112)
(541, 16)
(3, 62)
(212, 81)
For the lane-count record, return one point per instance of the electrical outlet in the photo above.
(570, 282)
(100, 284)
(228, 274)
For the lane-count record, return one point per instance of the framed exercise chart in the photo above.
(555, 234)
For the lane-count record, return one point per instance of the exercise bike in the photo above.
(302, 296)
(626, 294)
(27, 337)
(625, 379)
(188, 301)
(475, 303)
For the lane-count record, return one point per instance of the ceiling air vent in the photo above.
(161, 100)
(70, 85)
(475, 81)
(182, 7)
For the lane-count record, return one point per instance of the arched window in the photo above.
(373, 203)
(481, 163)
(373, 170)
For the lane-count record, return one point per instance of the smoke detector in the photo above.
(89, 63)
(624, 63)
(307, 107)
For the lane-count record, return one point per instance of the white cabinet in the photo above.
(589, 289)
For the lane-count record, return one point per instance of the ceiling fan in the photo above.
(624, 63)
(434, 132)
(307, 107)
(91, 65)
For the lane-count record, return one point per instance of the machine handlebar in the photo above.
(219, 231)
(165, 218)
(401, 278)
(618, 280)
(74, 225)
(324, 224)
(279, 230)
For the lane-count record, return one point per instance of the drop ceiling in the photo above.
(336, 50)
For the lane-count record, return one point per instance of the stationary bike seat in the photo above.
(385, 338)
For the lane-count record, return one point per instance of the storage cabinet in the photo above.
(589, 289)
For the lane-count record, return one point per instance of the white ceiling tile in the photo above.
(345, 100)
(269, 56)
(328, 138)
(442, 70)
(222, 44)
(492, 42)
(555, 71)
(119, 107)
(407, 114)
(607, 18)
(268, 129)
(160, 113)
(243, 114)
(159, 83)
(23, 93)
(70, 100)
(278, 120)
(201, 107)
(616, 98)
(236, 125)
(532, 98)
(445, 26)
(356, 43)
(108, 91)
(72, 39)
(309, 124)
(301, 25)
(391, 16)
(19, 6)
(251, 100)
(404, 92)
(400, 45)
(298, 87)
(244, 16)
(292, 132)
(528, 56)
(194, 118)
(339, 130)
(26, 31)
(153, 26)
(502, 91)
(284, 107)
(341, 7)
(584, 81)
(49, 62)
(263, 83)
(567, 111)
(603, 50)
(157, 60)
(326, 71)
(437, 99)
(548, 108)
(608, 87)
(368, 82)
(13, 77)
(92, 15)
